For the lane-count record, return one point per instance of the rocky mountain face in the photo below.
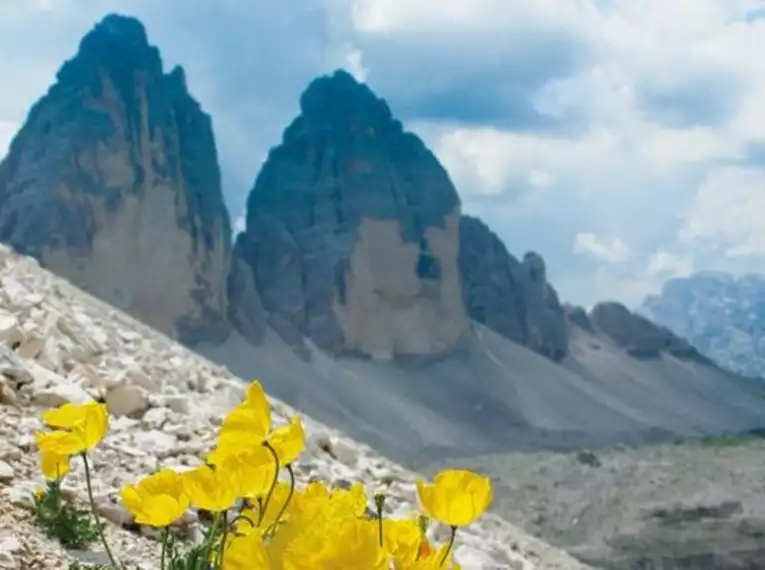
(722, 316)
(353, 232)
(113, 182)
(639, 336)
(510, 297)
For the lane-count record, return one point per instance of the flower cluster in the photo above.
(262, 522)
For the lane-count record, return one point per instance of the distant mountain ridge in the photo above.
(358, 291)
(721, 315)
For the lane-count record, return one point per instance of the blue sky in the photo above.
(624, 140)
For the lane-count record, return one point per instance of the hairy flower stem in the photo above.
(380, 503)
(211, 537)
(100, 530)
(273, 526)
(165, 538)
(273, 483)
(449, 546)
(220, 560)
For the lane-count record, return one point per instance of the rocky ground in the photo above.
(58, 344)
(693, 505)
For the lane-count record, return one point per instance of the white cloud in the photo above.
(672, 94)
(354, 59)
(239, 225)
(728, 210)
(426, 16)
(588, 243)
(489, 161)
(540, 179)
(665, 264)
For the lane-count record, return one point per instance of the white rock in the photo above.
(155, 418)
(10, 547)
(6, 472)
(31, 348)
(114, 512)
(155, 442)
(178, 403)
(13, 368)
(59, 394)
(22, 494)
(136, 376)
(8, 395)
(344, 453)
(10, 331)
(127, 401)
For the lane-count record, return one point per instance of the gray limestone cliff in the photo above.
(113, 182)
(352, 231)
(721, 315)
(509, 296)
(639, 336)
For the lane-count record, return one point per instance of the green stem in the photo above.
(242, 517)
(273, 483)
(274, 524)
(165, 537)
(449, 546)
(211, 537)
(220, 560)
(380, 504)
(95, 514)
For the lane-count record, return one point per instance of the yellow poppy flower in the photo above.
(253, 469)
(278, 500)
(157, 500)
(250, 421)
(54, 466)
(66, 443)
(92, 417)
(211, 489)
(245, 552)
(403, 540)
(352, 543)
(288, 441)
(456, 497)
(349, 502)
(89, 421)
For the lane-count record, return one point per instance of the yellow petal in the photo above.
(131, 499)
(160, 511)
(288, 441)
(456, 497)
(60, 443)
(210, 489)
(247, 424)
(65, 416)
(54, 466)
(95, 424)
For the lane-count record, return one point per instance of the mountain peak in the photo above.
(116, 45)
(338, 100)
(118, 149)
(353, 221)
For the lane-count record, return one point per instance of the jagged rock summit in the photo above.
(352, 231)
(113, 182)
(509, 296)
(721, 315)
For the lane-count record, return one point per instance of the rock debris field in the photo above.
(58, 344)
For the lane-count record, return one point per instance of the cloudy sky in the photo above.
(624, 140)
